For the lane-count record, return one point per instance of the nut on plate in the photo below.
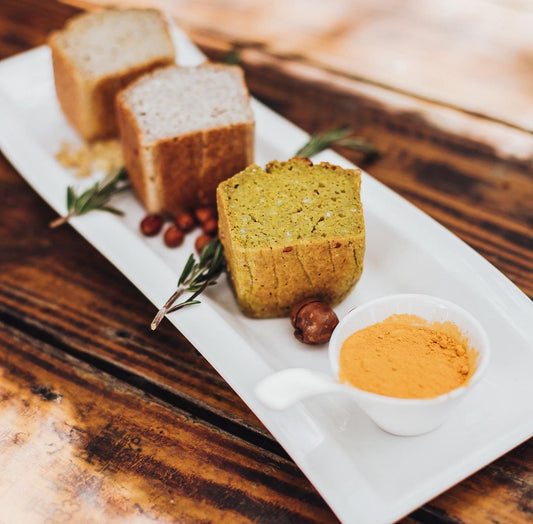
(210, 227)
(203, 214)
(151, 225)
(185, 221)
(173, 236)
(202, 241)
(313, 321)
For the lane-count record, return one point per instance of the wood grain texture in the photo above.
(67, 456)
(71, 325)
(476, 57)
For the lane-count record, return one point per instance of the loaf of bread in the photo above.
(184, 130)
(291, 231)
(99, 53)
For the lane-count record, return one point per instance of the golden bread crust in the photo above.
(71, 89)
(183, 171)
(227, 150)
(132, 151)
(176, 164)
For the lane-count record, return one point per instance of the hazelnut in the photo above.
(203, 214)
(313, 321)
(173, 236)
(202, 241)
(151, 225)
(210, 227)
(185, 221)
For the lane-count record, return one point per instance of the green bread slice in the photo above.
(291, 231)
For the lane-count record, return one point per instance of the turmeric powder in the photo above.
(406, 356)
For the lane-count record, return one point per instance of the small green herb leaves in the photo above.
(97, 197)
(199, 275)
(232, 58)
(341, 136)
(195, 278)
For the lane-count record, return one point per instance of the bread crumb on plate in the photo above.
(84, 159)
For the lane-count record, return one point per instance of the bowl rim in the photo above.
(483, 350)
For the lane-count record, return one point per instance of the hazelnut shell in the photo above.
(313, 321)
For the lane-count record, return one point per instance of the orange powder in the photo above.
(406, 356)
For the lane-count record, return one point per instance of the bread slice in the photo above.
(184, 130)
(291, 231)
(99, 53)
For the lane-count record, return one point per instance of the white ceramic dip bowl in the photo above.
(398, 416)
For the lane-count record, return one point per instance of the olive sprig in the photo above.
(97, 197)
(341, 136)
(195, 278)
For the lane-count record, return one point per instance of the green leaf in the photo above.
(340, 137)
(232, 58)
(71, 197)
(206, 254)
(321, 141)
(122, 174)
(83, 200)
(195, 278)
(112, 210)
(186, 270)
(359, 144)
(96, 197)
(181, 305)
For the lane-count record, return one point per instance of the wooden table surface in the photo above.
(103, 421)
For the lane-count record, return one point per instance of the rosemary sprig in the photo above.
(195, 278)
(97, 197)
(340, 136)
(232, 58)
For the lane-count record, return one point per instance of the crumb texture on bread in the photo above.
(99, 53)
(183, 131)
(176, 101)
(111, 41)
(291, 231)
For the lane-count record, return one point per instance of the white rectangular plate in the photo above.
(365, 475)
